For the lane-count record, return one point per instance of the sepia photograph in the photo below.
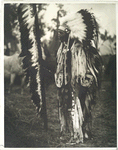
(59, 75)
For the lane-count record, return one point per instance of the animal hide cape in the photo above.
(31, 51)
(78, 73)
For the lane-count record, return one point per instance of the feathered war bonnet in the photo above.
(84, 28)
(82, 25)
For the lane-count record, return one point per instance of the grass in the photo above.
(24, 129)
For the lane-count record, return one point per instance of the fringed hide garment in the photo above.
(77, 73)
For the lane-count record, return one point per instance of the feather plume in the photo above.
(31, 49)
(76, 24)
(81, 24)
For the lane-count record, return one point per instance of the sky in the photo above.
(105, 14)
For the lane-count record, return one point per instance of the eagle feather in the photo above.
(31, 50)
(76, 24)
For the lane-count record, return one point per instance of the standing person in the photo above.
(77, 74)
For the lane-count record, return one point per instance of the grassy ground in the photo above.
(24, 129)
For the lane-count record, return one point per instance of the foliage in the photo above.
(111, 40)
(42, 25)
(10, 15)
(60, 13)
(105, 36)
(11, 20)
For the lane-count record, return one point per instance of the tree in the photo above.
(55, 41)
(110, 38)
(11, 22)
(60, 13)
(10, 16)
(104, 36)
(41, 24)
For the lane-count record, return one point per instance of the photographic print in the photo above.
(60, 75)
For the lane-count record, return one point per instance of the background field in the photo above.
(24, 129)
